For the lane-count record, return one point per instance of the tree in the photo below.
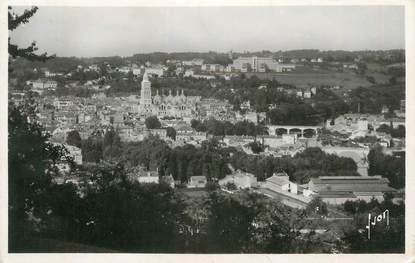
(371, 79)
(399, 132)
(111, 138)
(256, 147)
(231, 186)
(229, 224)
(362, 68)
(147, 219)
(317, 206)
(391, 167)
(384, 239)
(32, 160)
(32, 165)
(152, 122)
(171, 132)
(111, 146)
(92, 150)
(73, 138)
(15, 21)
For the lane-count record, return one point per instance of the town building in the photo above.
(339, 189)
(259, 64)
(161, 133)
(178, 106)
(149, 179)
(141, 175)
(190, 73)
(63, 104)
(235, 140)
(199, 181)
(155, 71)
(212, 68)
(191, 138)
(275, 141)
(280, 182)
(307, 94)
(241, 180)
(193, 62)
(279, 187)
(41, 85)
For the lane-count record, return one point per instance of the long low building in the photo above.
(279, 187)
(339, 189)
(258, 64)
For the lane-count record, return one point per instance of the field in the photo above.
(348, 80)
(194, 192)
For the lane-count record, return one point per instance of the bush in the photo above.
(153, 122)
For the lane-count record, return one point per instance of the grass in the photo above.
(347, 80)
(194, 192)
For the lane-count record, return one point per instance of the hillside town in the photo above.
(208, 152)
(172, 108)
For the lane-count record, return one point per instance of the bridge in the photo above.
(293, 129)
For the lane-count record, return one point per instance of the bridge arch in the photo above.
(309, 133)
(297, 131)
(293, 129)
(280, 131)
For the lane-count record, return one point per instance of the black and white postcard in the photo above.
(191, 131)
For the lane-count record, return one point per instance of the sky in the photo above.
(124, 31)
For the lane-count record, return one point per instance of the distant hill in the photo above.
(69, 63)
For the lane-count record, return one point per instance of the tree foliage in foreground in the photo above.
(32, 165)
(14, 21)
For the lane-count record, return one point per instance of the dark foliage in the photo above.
(73, 138)
(391, 167)
(398, 132)
(153, 122)
(221, 128)
(312, 162)
(32, 165)
(14, 21)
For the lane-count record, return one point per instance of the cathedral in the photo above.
(178, 106)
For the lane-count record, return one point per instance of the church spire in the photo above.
(145, 76)
(145, 99)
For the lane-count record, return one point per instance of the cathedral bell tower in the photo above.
(145, 99)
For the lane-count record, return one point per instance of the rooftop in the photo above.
(338, 194)
(278, 179)
(198, 177)
(354, 184)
